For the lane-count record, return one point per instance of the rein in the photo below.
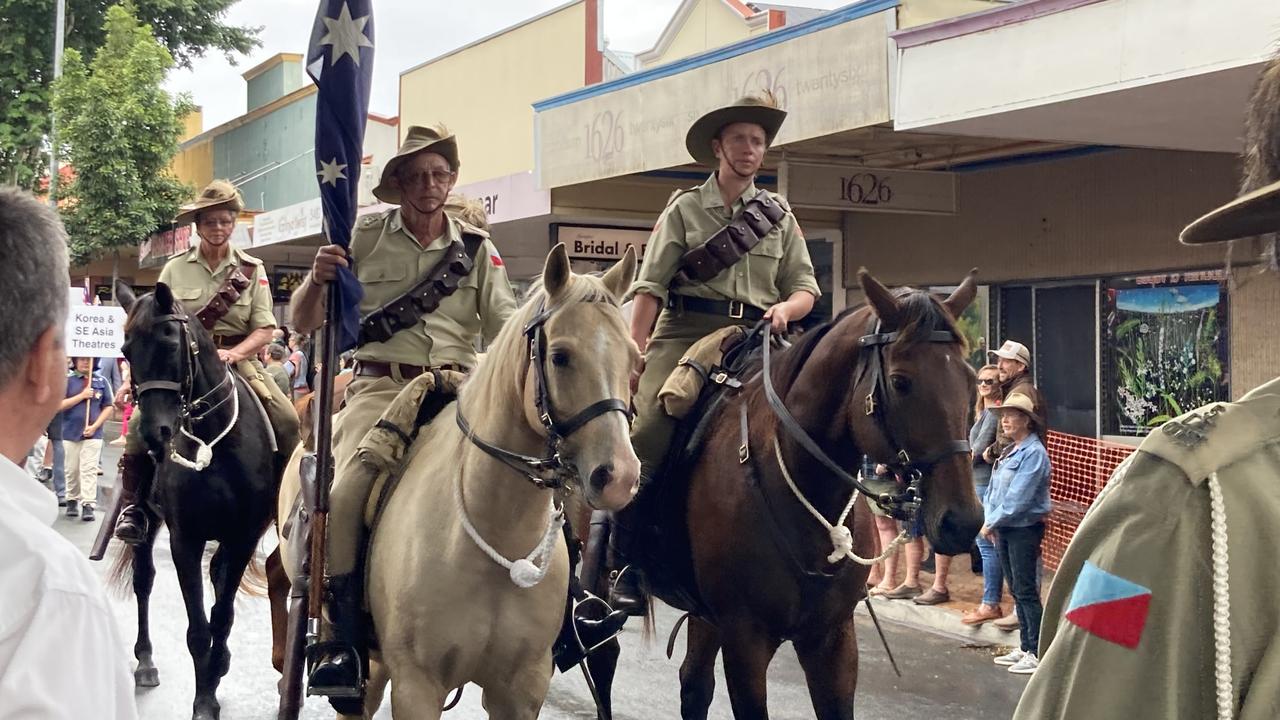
(193, 410)
(904, 505)
(549, 472)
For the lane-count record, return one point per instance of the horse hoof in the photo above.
(206, 713)
(146, 677)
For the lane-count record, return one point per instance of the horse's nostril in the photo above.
(601, 476)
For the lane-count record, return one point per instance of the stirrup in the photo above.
(332, 649)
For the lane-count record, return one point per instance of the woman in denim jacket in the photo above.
(1016, 505)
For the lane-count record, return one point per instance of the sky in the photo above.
(407, 32)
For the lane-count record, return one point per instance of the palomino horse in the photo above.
(888, 380)
(545, 409)
(186, 392)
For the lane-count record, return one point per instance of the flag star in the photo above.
(331, 172)
(346, 35)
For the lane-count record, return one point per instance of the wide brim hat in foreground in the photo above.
(417, 140)
(217, 195)
(1021, 402)
(1250, 215)
(759, 111)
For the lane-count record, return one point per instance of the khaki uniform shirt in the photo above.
(195, 283)
(389, 261)
(776, 267)
(1150, 528)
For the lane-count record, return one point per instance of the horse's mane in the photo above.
(499, 372)
(922, 313)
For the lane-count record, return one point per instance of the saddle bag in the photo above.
(703, 363)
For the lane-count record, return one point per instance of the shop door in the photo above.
(1059, 325)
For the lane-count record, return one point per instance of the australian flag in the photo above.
(340, 61)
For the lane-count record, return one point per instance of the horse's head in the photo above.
(926, 390)
(570, 356)
(160, 344)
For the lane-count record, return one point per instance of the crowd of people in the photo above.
(1011, 472)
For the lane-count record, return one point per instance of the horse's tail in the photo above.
(254, 580)
(119, 580)
(649, 629)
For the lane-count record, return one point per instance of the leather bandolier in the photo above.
(423, 298)
(238, 280)
(757, 218)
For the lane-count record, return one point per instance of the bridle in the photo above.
(549, 471)
(191, 410)
(878, 404)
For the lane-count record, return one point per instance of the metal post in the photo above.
(59, 29)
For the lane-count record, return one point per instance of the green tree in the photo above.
(119, 131)
(188, 28)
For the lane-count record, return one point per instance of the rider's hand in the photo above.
(636, 372)
(328, 259)
(228, 357)
(778, 316)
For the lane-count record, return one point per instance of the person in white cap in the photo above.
(1014, 362)
(1163, 606)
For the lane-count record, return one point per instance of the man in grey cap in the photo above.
(1162, 606)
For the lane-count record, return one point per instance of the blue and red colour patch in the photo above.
(1109, 606)
(495, 258)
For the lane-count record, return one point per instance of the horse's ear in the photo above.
(618, 278)
(963, 295)
(124, 295)
(164, 299)
(880, 298)
(556, 272)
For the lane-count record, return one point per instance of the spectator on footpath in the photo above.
(1013, 360)
(299, 346)
(276, 368)
(981, 436)
(123, 402)
(62, 656)
(1015, 508)
(1162, 606)
(86, 408)
(878, 478)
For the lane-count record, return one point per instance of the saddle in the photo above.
(661, 537)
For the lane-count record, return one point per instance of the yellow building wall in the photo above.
(194, 165)
(711, 24)
(485, 93)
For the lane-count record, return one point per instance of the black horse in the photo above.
(189, 399)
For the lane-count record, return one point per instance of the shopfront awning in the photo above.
(830, 73)
(1142, 73)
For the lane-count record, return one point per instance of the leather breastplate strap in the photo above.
(423, 298)
(758, 217)
(238, 280)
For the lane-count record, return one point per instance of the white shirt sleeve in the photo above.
(68, 662)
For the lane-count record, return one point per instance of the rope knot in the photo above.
(842, 542)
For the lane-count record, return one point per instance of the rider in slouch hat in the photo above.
(690, 292)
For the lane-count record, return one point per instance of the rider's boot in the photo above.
(135, 473)
(339, 667)
(625, 592)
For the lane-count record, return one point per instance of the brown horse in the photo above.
(888, 380)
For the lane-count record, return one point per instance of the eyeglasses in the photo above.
(421, 179)
(988, 381)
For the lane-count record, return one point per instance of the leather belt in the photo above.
(226, 342)
(724, 308)
(373, 368)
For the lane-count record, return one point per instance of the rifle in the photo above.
(306, 594)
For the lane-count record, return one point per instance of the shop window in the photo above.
(1166, 348)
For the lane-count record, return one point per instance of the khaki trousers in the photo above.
(366, 399)
(82, 470)
(672, 336)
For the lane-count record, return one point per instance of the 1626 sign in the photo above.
(605, 135)
(860, 189)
